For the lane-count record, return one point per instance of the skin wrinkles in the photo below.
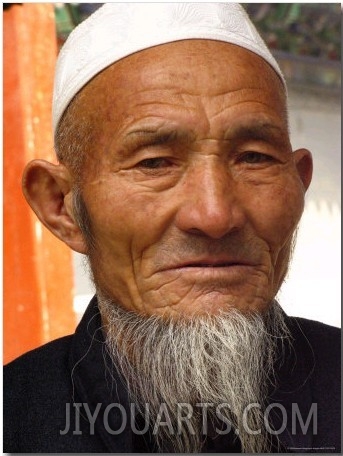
(192, 188)
(219, 287)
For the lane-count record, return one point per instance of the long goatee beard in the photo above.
(222, 359)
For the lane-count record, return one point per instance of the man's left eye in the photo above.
(256, 158)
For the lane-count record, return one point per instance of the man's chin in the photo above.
(213, 304)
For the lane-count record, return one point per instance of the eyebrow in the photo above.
(152, 136)
(257, 131)
(159, 136)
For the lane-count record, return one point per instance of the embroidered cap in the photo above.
(117, 30)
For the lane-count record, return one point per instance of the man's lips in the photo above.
(205, 263)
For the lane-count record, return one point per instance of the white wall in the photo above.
(312, 288)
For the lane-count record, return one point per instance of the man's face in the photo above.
(191, 186)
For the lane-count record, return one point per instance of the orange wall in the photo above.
(38, 275)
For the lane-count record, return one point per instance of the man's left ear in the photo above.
(304, 164)
(48, 190)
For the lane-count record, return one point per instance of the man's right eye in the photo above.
(153, 163)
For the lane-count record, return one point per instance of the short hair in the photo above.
(73, 138)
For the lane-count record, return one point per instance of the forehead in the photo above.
(206, 54)
(184, 73)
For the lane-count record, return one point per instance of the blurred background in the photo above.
(47, 287)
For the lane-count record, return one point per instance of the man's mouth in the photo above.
(210, 263)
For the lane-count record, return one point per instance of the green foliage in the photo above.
(299, 28)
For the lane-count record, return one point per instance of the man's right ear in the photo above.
(48, 190)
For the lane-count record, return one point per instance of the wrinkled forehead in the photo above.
(201, 67)
(118, 30)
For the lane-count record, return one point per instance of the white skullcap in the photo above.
(117, 30)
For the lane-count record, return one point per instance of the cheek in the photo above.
(125, 221)
(277, 214)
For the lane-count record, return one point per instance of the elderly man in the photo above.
(177, 179)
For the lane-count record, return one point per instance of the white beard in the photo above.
(226, 358)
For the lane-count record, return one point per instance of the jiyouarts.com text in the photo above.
(293, 419)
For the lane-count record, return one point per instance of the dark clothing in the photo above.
(71, 383)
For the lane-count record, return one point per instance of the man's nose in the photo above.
(211, 202)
